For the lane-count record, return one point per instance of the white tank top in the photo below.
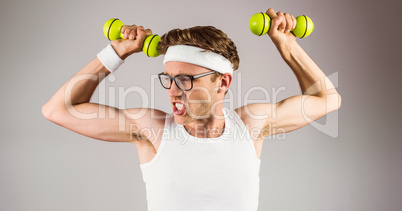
(205, 174)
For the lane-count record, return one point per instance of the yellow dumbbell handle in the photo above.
(260, 23)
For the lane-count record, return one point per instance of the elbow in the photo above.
(48, 112)
(51, 113)
(331, 102)
(334, 102)
(339, 101)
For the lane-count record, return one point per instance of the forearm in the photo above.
(79, 88)
(311, 78)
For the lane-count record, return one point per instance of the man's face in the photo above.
(196, 103)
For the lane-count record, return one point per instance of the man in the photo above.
(203, 156)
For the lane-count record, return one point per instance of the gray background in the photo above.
(358, 168)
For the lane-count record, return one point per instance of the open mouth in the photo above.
(179, 108)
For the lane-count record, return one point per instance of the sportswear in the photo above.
(198, 56)
(203, 174)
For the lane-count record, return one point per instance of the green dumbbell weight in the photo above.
(112, 31)
(260, 23)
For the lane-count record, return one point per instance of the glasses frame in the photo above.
(192, 77)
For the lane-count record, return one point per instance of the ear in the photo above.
(225, 81)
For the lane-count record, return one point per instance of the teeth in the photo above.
(179, 106)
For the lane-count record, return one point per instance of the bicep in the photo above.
(298, 111)
(106, 123)
(285, 116)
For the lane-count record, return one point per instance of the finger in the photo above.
(289, 22)
(123, 29)
(294, 22)
(275, 20)
(141, 34)
(271, 13)
(128, 31)
(148, 32)
(282, 25)
(133, 33)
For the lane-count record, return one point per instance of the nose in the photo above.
(174, 90)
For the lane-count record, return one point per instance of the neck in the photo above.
(211, 127)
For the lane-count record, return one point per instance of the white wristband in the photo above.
(110, 59)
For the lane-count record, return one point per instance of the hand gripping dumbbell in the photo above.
(112, 31)
(260, 23)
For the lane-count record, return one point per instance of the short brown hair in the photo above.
(205, 37)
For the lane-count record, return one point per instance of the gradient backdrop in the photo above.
(350, 160)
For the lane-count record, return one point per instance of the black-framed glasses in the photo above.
(184, 82)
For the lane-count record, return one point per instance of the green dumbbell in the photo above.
(112, 31)
(260, 23)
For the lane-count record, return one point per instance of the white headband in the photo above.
(198, 56)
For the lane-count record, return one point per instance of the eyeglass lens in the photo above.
(182, 81)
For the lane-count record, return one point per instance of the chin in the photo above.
(182, 120)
